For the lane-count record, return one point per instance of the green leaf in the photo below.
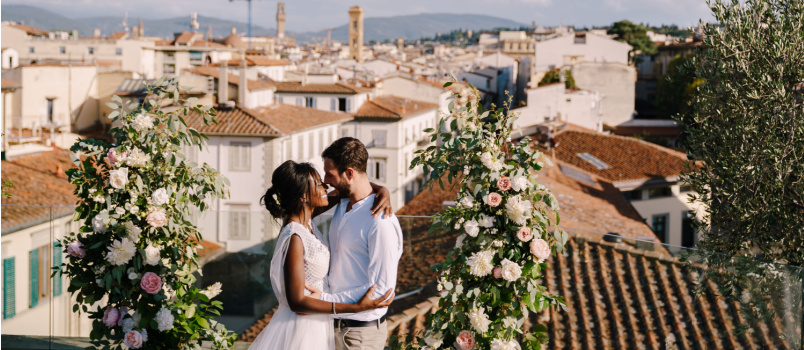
(203, 323)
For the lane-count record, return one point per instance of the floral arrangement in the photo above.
(489, 282)
(135, 253)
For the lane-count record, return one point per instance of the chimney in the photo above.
(242, 86)
(223, 83)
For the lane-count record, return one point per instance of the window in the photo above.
(634, 195)
(311, 149)
(38, 268)
(659, 192)
(300, 101)
(169, 53)
(379, 138)
(240, 156)
(31, 49)
(599, 164)
(685, 188)
(9, 300)
(355, 25)
(376, 169)
(62, 50)
(118, 51)
(196, 55)
(50, 110)
(342, 104)
(169, 68)
(91, 50)
(659, 226)
(239, 222)
(687, 231)
(309, 102)
(56, 262)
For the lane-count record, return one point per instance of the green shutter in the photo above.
(33, 266)
(57, 262)
(9, 302)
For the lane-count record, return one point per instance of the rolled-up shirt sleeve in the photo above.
(385, 248)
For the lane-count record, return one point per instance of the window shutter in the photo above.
(244, 226)
(349, 105)
(232, 157)
(334, 104)
(245, 155)
(57, 263)
(382, 171)
(300, 101)
(370, 169)
(33, 267)
(9, 301)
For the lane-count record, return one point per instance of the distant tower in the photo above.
(141, 30)
(356, 33)
(280, 20)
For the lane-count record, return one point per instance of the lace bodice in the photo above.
(316, 253)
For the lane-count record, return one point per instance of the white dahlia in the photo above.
(480, 263)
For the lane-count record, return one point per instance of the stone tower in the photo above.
(280, 20)
(356, 33)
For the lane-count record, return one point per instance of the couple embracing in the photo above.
(333, 294)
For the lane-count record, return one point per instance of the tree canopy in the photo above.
(635, 35)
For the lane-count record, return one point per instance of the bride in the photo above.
(302, 320)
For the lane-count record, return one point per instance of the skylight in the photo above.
(599, 164)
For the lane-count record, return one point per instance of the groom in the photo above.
(364, 250)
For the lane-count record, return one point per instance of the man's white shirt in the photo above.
(364, 251)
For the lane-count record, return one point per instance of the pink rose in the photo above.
(133, 339)
(498, 272)
(524, 234)
(76, 249)
(540, 249)
(110, 317)
(465, 340)
(151, 283)
(493, 199)
(504, 183)
(157, 217)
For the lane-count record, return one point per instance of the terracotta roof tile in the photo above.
(619, 297)
(184, 38)
(289, 119)
(206, 43)
(38, 180)
(236, 121)
(10, 84)
(233, 79)
(336, 88)
(628, 159)
(253, 60)
(118, 35)
(30, 30)
(392, 107)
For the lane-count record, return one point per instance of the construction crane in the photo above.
(249, 21)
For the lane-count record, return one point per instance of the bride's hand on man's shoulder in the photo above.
(367, 303)
(382, 203)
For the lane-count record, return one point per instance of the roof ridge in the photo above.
(384, 107)
(251, 114)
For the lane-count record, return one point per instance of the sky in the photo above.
(314, 15)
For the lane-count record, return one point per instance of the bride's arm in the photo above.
(294, 288)
(381, 205)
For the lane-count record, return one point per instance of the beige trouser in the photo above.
(361, 338)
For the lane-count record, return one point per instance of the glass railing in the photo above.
(621, 292)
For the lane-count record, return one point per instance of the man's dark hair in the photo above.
(347, 152)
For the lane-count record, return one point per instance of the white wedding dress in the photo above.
(286, 329)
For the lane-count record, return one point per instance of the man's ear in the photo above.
(349, 173)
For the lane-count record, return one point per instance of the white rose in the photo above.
(467, 202)
(518, 209)
(511, 270)
(164, 319)
(100, 221)
(519, 183)
(142, 122)
(471, 228)
(118, 178)
(434, 340)
(490, 162)
(160, 197)
(486, 221)
(499, 344)
(157, 217)
(459, 241)
(152, 256)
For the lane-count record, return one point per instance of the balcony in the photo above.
(621, 291)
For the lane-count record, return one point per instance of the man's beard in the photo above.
(343, 190)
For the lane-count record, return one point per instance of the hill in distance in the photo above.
(376, 28)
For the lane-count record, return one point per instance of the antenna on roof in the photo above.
(125, 22)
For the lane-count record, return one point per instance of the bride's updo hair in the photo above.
(290, 183)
